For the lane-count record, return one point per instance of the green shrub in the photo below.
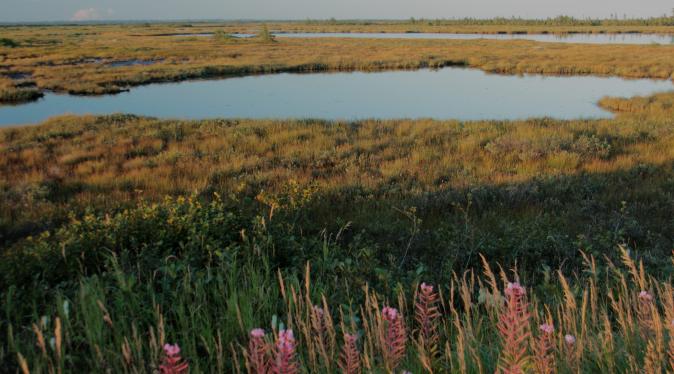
(6, 42)
(221, 35)
(265, 35)
(19, 95)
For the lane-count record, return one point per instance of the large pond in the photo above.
(626, 38)
(456, 93)
(557, 38)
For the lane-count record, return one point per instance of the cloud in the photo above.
(91, 14)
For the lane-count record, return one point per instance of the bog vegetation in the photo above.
(95, 60)
(90, 240)
(134, 244)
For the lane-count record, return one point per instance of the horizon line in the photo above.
(328, 19)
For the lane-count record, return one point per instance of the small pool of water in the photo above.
(662, 39)
(449, 93)
(126, 63)
(555, 38)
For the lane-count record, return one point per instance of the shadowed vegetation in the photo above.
(542, 187)
(6, 42)
(17, 92)
(108, 291)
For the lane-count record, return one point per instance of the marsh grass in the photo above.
(13, 93)
(559, 25)
(528, 190)
(605, 318)
(222, 36)
(74, 59)
(265, 35)
(120, 234)
(293, 217)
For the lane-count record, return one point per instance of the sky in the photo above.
(81, 10)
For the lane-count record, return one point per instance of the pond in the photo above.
(626, 38)
(448, 93)
(556, 38)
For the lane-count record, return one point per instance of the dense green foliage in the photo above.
(164, 253)
(13, 96)
(113, 288)
(6, 42)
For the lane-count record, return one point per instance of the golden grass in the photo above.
(77, 59)
(119, 158)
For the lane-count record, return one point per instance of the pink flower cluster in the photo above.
(389, 314)
(426, 288)
(284, 362)
(349, 358)
(570, 340)
(547, 328)
(318, 311)
(257, 333)
(286, 341)
(257, 352)
(172, 363)
(515, 289)
(395, 337)
(645, 296)
(350, 338)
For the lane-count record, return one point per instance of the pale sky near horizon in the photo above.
(63, 10)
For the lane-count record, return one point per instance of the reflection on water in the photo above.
(465, 94)
(558, 38)
(553, 38)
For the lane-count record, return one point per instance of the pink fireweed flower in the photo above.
(172, 362)
(257, 352)
(390, 314)
(350, 338)
(284, 361)
(571, 352)
(349, 358)
(394, 338)
(645, 296)
(426, 315)
(257, 333)
(318, 311)
(547, 328)
(286, 338)
(514, 329)
(570, 339)
(515, 289)
(171, 350)
(544, 359)
(426, 288)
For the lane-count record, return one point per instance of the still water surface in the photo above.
(662, 39)
(556, 38)
(449, 93)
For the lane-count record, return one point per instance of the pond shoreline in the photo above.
(417, 93)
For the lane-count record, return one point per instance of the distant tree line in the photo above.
(562, 20)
